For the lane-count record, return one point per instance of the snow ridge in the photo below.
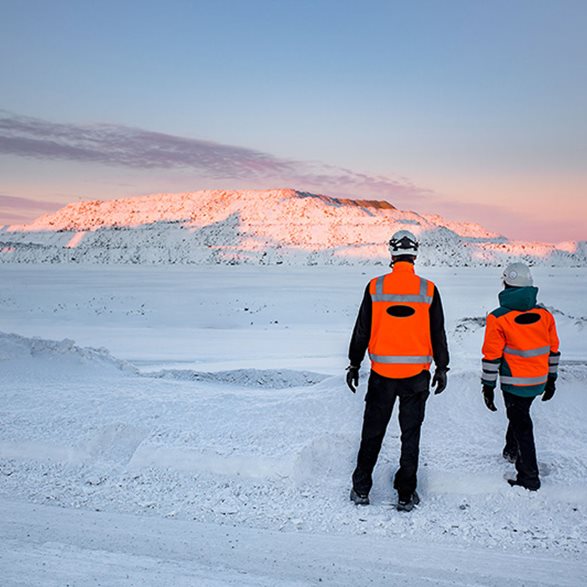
(256, 378)
(60, 353)
(281, 226)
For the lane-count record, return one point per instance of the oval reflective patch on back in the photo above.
(529, 318)
(400, 311)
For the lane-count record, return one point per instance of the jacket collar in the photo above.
(518, 298)
(403, 267)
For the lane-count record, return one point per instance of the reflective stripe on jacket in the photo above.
(400, 342)
(522, 347)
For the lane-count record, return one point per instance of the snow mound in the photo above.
(470, 324)
(18, 349)
(266, 378)
(578, 323)
(321, 459)
(114, 442)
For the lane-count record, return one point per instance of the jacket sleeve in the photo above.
(362, 331)
(493, 345)
(554, 357)
(438, 333)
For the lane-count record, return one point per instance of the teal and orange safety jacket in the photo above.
(521, 344)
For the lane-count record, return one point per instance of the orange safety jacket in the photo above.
(400, 342)
(521, 344)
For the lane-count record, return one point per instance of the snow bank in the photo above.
(261, 378)
(21, 353)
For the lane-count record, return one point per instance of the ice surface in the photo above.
(219, 418)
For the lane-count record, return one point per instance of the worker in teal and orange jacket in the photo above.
(522, 347)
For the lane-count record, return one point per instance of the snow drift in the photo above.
(53, 356)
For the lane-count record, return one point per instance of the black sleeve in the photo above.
(362, 331)
(437, 333)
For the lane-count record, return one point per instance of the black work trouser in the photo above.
(379, 401)
(520, 438)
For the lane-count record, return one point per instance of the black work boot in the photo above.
(406, 503)
(359, 498)
(535, 486)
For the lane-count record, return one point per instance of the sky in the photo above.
(471, 109)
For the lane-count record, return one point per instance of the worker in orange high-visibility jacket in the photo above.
(522, 347)
(401, 323)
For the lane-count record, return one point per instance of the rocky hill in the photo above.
(259, 227)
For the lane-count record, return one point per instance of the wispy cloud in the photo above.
(15, 209)
(19, 203)
(117, 145)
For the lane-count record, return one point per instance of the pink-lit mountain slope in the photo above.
(260, 227)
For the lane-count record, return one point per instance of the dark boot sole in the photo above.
(515, 483)
(359, 499)
(408, 506)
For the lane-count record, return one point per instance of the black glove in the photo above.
(439, 380)
(352, 377)
(489, 396)
(549, 389)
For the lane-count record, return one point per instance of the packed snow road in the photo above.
(218, 418)
(50, 546)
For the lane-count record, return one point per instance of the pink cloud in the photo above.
(118, 145)
(16, 210)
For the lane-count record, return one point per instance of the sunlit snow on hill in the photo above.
(258, 227)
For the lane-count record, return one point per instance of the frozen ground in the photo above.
(213, 441)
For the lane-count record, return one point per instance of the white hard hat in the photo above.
(403, 242)
(517, 275)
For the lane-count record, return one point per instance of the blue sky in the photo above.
(471, 109)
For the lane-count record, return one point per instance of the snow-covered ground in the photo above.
(212, 442)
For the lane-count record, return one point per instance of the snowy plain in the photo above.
(191, 425)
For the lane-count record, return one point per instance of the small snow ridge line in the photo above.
(193, 460)
(14, 347)
(266, 378)
(42, 451)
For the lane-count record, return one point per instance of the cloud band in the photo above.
(118, 145)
